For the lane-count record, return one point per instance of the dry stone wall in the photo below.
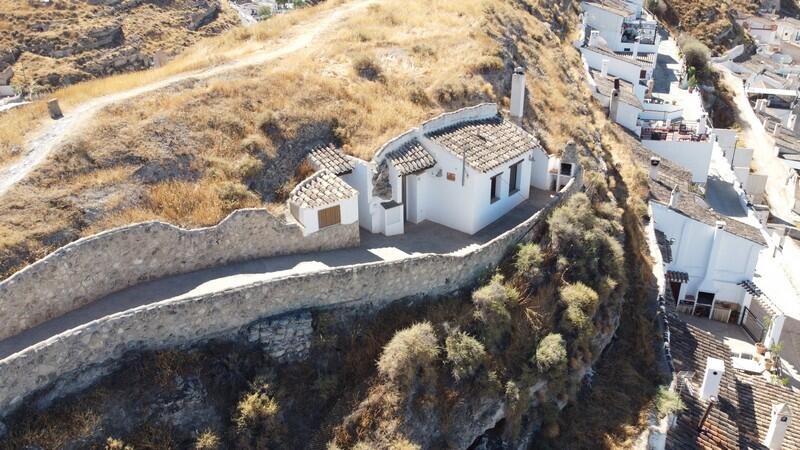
(90, 268)
(190, 320)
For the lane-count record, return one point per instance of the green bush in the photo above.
(668, 402)
(465, 355)
(529, 260)
(574, 320)
(584, 241)
(409, 352)
(491, 309)
(551, 354)
(581, 296)
(696, 53)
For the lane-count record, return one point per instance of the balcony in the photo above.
(645, 31)
(676, 132)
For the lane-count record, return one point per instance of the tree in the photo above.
(465, 355)
(551, 355)
(409, 352)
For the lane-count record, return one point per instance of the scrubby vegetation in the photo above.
(712, 22)
(424, 374)
(242, 135)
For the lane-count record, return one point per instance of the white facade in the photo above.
(715, 260)
(450, 193)
(309, 217)
(619, 66)
(691, 155)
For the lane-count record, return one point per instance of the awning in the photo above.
(677, 277)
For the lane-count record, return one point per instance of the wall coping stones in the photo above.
(190, 319)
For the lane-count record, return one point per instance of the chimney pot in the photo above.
(604, 68)
(780, 419)
(594, 35)
(655, 161)
(518, 93)
(711, 380)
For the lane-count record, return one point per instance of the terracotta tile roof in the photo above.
(740, 419)
(488, 143)
(677, 276)
(321, 189)
(605, 84)
(410, 158)
(331, 159)
(690, 204)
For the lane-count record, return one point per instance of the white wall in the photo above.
(617, 67)
(661, 111)
(360, 179)
(692, 156)
(309, 217)
(735, 259)
(486, 212)
(628, 117)
(540, 170)
(607, 23)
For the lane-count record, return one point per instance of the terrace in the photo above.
(643, 29)
(676, 132)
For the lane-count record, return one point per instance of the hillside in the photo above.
(191, 153)
(58, 43)
(519, 341)
(710, 21)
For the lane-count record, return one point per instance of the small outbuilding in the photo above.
(323, 200)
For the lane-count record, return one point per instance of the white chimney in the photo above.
(712, 378)
(604, 68)
(655, 161)
(761, 104)
(613, 105)
(636, 47)
(594, 35)
(720, 224)
(791, 121)
(702, 125)
(674, 197)
(518, 93)
(780, 419)
(775, 130)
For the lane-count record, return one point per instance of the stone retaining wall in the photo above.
(90, 268)
(190, 320)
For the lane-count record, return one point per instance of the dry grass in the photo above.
(710, 21)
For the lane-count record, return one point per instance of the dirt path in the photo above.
(53, 133)
(766, 162)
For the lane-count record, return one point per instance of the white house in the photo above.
(634, 66)
(707, 257)
(323, 200)
(688, 144)
(463, 169)
(621, 25)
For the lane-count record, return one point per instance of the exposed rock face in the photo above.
(52, 46)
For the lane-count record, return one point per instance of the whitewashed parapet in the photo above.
(98, 265)
(193, 319)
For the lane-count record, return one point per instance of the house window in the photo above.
(642, 74)
(513, 180)
(566, 169)
(495, 192)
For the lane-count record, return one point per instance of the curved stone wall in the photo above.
(190, 320)
(92, 267)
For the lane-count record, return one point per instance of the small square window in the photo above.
(566, 169)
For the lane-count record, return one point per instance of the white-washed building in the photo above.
(323, 200)
(707, 256)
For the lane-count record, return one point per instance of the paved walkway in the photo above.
(424, 238)
(666, 80)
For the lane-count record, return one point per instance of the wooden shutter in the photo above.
(329, 216)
